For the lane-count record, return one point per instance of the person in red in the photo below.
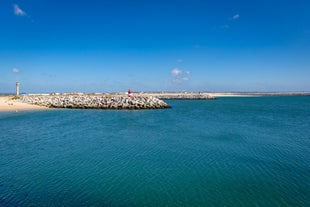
(130, 93)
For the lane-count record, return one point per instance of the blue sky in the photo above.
(154, 45)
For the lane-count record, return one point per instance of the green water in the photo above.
(226, 152)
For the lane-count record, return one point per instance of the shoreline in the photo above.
(257, 94)
(214, 95)
(7, 104)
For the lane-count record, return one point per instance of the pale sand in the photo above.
(231, 95)
(7, 104)
(211, 94)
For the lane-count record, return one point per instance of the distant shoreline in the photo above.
(249, 94)
(211, 94)
(7, 102)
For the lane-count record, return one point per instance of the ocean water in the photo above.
(226, 152)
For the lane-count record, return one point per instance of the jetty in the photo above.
(86, 101)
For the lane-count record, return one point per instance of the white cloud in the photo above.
(229, 25)
(179, 76)
(18, 11)
(15, 70)
(236, 16)
(176, 72)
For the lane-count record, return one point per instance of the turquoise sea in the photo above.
(226, 152)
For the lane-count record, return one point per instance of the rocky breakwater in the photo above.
(95, 101)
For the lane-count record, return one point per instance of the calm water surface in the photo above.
(227, 152)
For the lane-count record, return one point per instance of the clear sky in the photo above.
(154, 45)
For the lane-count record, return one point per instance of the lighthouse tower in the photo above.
(17, 88)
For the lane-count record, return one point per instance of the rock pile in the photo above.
(95, 101)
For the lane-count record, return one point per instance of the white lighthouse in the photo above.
(17, 88)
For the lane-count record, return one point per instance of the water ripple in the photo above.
(230, 152)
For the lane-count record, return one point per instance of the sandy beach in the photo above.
(7, 104)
